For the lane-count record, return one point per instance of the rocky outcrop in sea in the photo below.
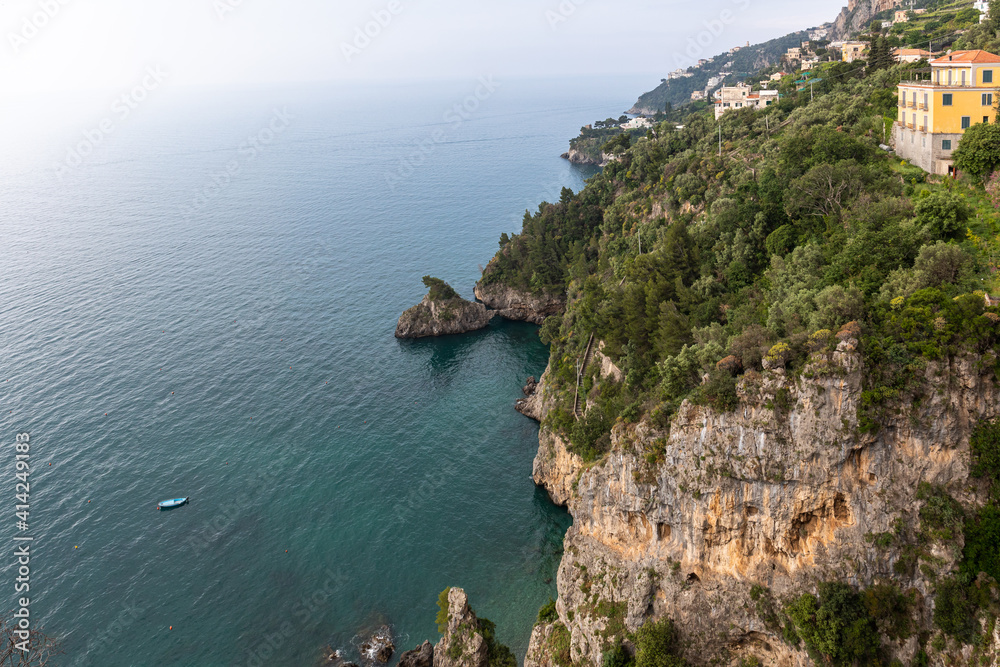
(443, 318)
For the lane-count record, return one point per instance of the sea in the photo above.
(198, 298)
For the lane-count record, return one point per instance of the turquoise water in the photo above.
(168, 332)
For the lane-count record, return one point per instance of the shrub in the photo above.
(498, 655)
(982, 535)
(985, 447)
(978, 151)
(559, 642)
(442, 615)
(656, 645)
(942, 213)
(954, 613)
(548, 614)
(837, 630)
(941, 516)
(616, 656)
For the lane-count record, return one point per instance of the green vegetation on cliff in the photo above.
(696, 267)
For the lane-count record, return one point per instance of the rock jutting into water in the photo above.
(379, 648)
(441, 313)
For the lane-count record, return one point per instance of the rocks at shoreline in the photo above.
(518, 305)
(443, 318)
(422, 656)
(379, 648)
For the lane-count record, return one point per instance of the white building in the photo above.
(984, 9)
(637, 124)
(741, 96)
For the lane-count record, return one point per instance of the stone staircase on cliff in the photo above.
(579, 377)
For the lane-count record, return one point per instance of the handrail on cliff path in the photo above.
(579, 377)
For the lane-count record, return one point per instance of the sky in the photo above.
(59, 45)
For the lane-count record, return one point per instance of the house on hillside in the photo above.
(901, 16)
(637, 124)
(778, 76)
(698, 95)
(934, 114)
(742, 96)
(910, 55)
(852, 51)
(984, 9)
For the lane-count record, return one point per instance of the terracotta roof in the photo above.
(912, 52)
(976, 56)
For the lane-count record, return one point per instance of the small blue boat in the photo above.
(170, 504)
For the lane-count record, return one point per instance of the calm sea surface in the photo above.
(201, 302)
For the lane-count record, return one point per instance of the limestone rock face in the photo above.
(514, 304)
(442, 318)
(422, 656)
(462, 645)
(579, 157)
(782, 493)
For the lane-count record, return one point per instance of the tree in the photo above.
(942, 213)
(993, 18)
(440, 290)
(978, 152)
(656, 645)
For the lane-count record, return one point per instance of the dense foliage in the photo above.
(836, 628)
(439, 289)
(802, 226)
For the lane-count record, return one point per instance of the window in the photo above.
(987, 99)
(986, 119)
(946, 144)
(925, 100)
(946, 99)
(924, 128)
(966, 122)
(987, 76)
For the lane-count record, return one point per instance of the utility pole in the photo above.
(810, 91)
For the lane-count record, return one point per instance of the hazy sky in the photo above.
(108, 44)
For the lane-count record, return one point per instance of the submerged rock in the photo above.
(380, 647)
(442, 318)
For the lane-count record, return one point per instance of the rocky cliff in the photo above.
(442, 318)
(579, 157)
(718, 520)
(519, 305)
(858, 14)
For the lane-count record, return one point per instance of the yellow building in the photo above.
(852, 51)
(934, 114)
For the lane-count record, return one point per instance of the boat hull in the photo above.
(171, 504)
